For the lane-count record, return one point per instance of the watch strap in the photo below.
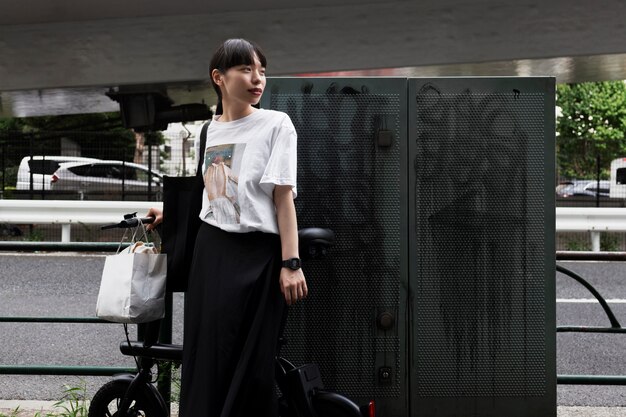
(292, 263)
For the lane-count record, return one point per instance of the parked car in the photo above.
(42, 167)
(618, 178)
(587, 188)
(108, 179)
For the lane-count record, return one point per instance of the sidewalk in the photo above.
(591, 411)
(30, 408)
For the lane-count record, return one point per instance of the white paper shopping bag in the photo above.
(132, 289)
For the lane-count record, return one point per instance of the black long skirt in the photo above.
(233, 318)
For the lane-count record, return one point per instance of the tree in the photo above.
(13, 124)
(591, 124)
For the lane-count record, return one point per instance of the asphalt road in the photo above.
(67, 285)
(591, 354)
(63, 285)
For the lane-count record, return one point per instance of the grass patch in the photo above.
(73, 404)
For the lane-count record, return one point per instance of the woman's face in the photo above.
(243, 83)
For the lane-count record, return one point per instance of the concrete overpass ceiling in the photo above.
(565, 69)
(59, 101)
(20, 12)
(73, 50)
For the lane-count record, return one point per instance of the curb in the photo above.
(28, 408)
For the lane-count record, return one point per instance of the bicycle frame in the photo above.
(302, 387)
(140, 381)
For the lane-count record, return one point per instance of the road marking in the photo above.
(58, 254)
(588, 301)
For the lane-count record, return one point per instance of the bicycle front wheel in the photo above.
(331, 404)
(107, 400)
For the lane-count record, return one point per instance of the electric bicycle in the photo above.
(302, 392)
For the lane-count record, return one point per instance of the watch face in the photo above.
(293, 263)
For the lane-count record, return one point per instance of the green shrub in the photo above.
(577, 244)
(610, 242)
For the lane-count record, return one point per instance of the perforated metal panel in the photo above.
(482, 276)
(348, 181)
(440, 193)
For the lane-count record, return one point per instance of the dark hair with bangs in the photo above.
(231, 53)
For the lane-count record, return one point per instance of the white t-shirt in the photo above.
(243, 161)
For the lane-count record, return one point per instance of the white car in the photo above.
(42, 167)
(583, 188)
(108, 179)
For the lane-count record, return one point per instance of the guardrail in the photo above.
(591, 219)
(68, 212)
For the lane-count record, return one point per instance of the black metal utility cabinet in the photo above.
(438, 298)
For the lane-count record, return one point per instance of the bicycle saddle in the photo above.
(314, 241)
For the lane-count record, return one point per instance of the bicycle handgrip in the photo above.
(128, 223)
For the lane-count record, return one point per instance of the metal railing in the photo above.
(165, 333)
(614, 328)
(61, 369)
(68, 212)
(593, 220)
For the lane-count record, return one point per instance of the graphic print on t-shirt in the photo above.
(222, 164)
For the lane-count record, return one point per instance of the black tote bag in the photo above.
(182, 202)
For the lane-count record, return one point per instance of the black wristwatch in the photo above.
(292, 263)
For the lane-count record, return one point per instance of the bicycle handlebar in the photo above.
(130, 220)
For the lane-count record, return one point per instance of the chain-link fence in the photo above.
(123, 166)
(114, 166)
(584, 171)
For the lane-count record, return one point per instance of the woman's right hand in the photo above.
(158, 218)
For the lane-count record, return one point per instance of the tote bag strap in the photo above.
(182, 200)
(202, 146)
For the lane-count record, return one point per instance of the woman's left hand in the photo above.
(293, 285)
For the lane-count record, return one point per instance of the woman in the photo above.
(246, 267)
